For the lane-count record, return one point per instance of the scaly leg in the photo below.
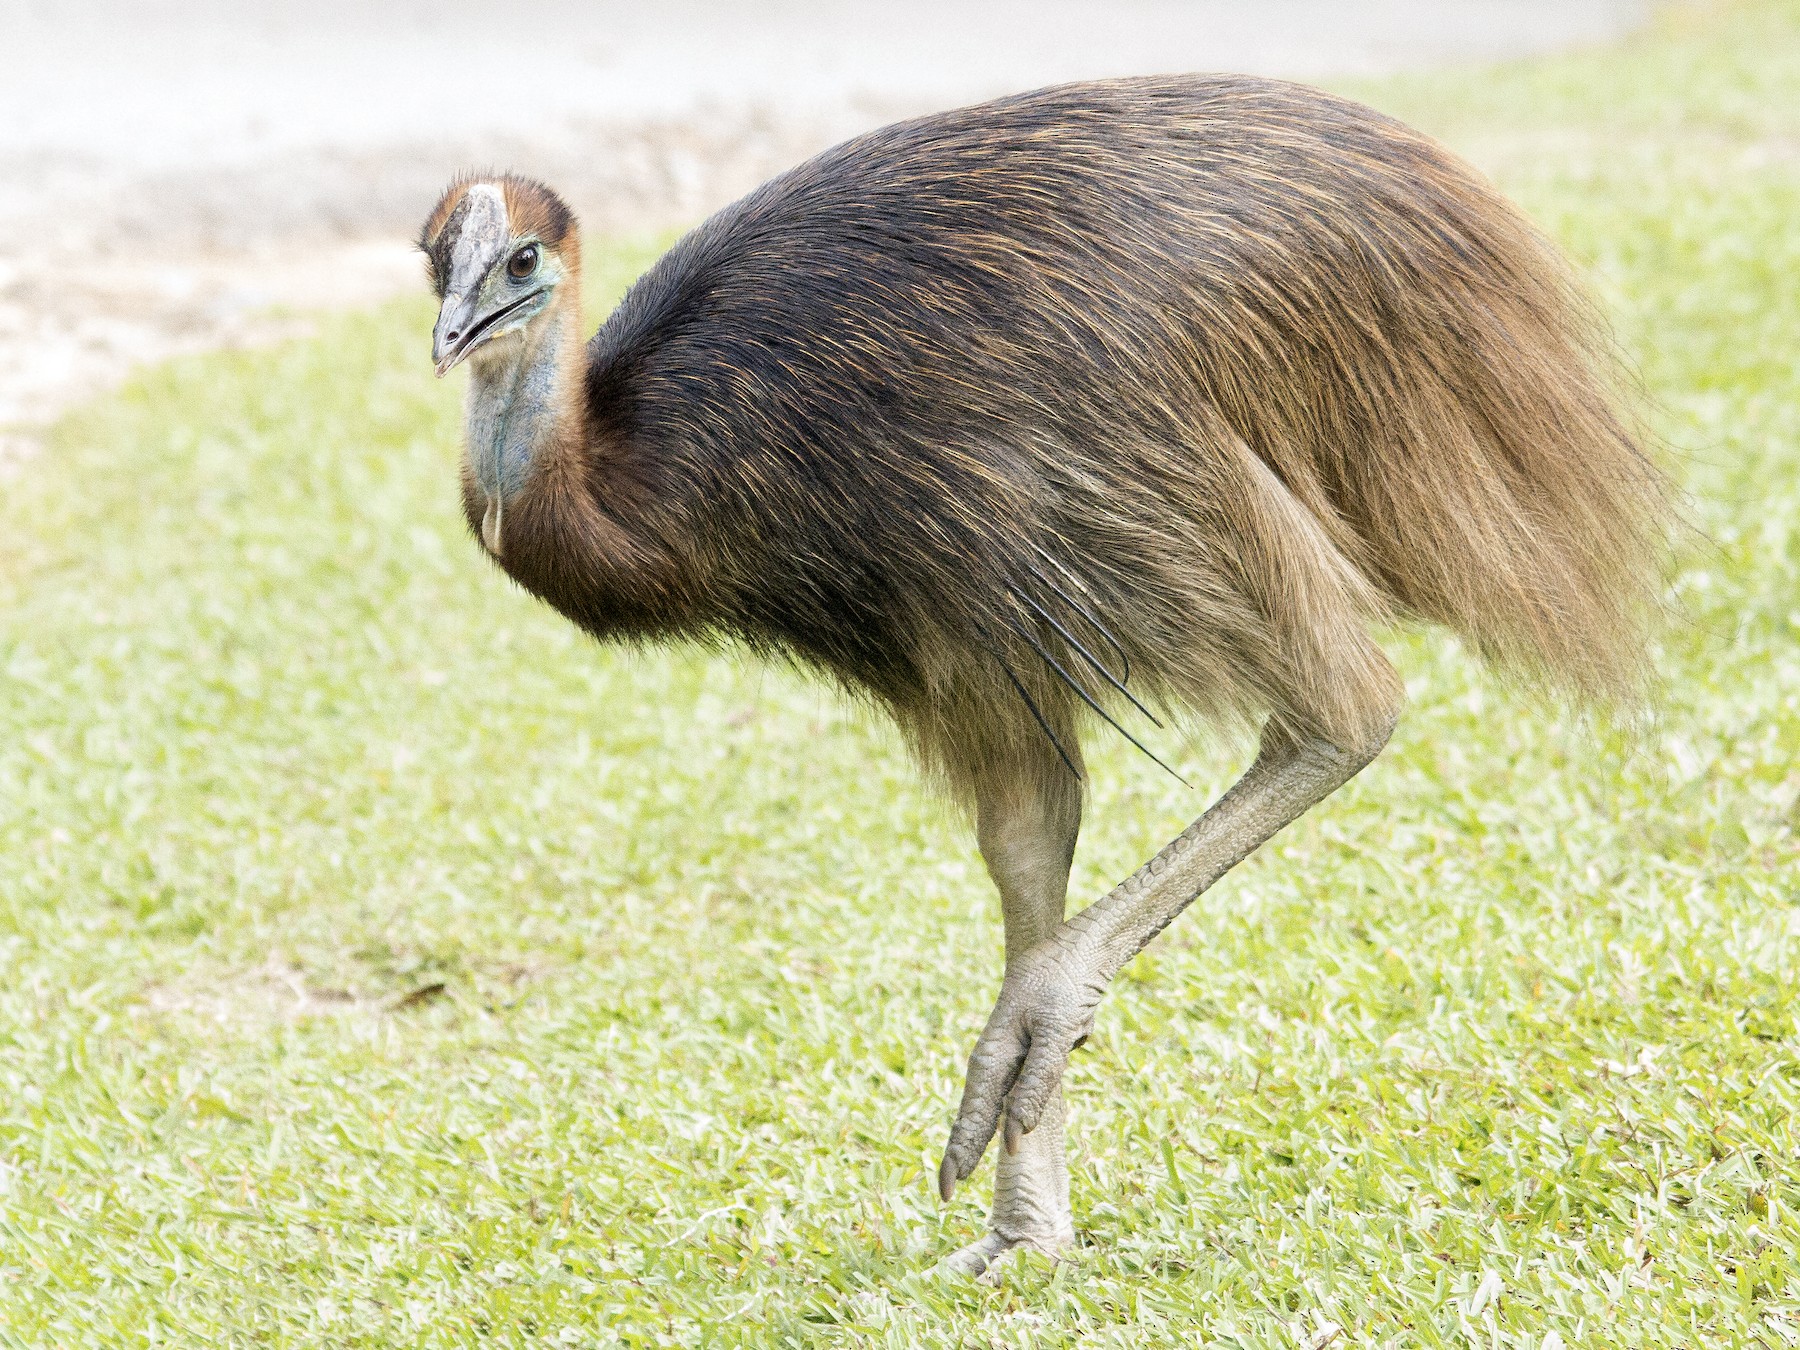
(1026, 823)
(1048, 997)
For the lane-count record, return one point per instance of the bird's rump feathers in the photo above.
(1176, 384)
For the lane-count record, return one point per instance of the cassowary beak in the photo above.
(479, 241)
(461, 329)
(453, 338)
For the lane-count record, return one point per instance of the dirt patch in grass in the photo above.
(281, 990)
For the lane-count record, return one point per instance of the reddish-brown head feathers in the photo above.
(533, 211)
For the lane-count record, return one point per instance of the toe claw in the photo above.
(1014, 1133)
(947, 1179)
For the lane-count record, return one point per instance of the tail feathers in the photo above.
(1475, 462)
(1522, 513)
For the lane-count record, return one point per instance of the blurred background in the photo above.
(182, 174)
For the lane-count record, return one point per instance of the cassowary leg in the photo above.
(1026, 822)
(1048, 997)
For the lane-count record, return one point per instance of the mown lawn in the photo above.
(385, 965)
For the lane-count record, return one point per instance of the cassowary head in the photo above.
(500, 251)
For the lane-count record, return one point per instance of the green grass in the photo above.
(382, 964)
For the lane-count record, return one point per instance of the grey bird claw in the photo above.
(1045, 1009)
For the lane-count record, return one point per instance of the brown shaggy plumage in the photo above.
(1233, 367)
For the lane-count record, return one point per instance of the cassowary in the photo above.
(1114, 399)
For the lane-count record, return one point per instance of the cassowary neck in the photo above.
(559, 507)
(523, 400)
(512, 411)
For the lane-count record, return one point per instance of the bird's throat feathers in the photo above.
(522, 403)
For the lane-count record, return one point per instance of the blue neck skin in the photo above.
(512, 408)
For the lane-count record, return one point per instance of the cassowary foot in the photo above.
(989, 1255)
(1031, 1202)
(1045, 1010)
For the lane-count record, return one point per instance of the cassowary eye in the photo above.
(523, 263)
